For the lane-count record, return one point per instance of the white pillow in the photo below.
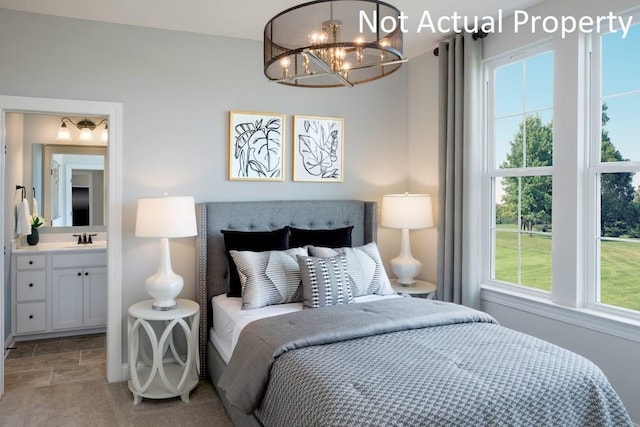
(364, 267)
(269, 277)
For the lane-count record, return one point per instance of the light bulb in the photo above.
(105, 135)
(63, 133)
(85, 134)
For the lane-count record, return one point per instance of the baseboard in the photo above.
(125, 372)
(8, 343)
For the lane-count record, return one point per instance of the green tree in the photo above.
(619, 213)
(532, 146)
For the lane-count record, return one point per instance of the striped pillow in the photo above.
(268, 278)
(364, 266)
(324, 281)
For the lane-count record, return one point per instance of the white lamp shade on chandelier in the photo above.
(406, 212)
(165, 218)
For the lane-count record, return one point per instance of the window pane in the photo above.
(619, 272)
(509, 142)
(619, 241)
(620, 62)
(619, 206)
(506, 254)
(522, 234)
(539, 95)
(536, 261)
(509, 89)
(539, 139)
(620, 129)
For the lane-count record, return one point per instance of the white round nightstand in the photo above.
(164, 374)
(420, 288)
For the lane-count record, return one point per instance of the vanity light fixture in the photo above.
(86, 128)
(333, 43)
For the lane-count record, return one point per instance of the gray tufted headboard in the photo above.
(212, 270)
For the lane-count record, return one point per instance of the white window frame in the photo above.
(573, 234)
(491, 171)
(595, 169)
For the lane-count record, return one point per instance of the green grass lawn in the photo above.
(619, 264)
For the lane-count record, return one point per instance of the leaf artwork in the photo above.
(257, 148)
(318, 147)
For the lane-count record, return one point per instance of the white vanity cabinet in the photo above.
(78, 290)
(30, 293)
(60, 291)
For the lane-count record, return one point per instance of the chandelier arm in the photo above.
(325, 67)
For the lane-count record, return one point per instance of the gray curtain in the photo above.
(460, 148)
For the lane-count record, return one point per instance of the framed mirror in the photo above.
(73, 184)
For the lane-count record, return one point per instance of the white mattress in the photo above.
(229, 319)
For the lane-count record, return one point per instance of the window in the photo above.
(561, 189)
(613, 172)
(519, 169)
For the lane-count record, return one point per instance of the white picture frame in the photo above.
(256, 146)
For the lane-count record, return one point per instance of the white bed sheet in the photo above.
(229, 319)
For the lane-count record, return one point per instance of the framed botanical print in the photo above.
(318, 149)
(256, 148)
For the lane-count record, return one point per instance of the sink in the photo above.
(99, 244)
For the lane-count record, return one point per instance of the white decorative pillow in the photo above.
(364, 266)
(269, 278)
(324, 281)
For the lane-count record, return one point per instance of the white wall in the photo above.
(177, 89)
(617, 357)
(13, 176)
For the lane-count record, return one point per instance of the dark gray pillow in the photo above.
(324, 281)
(333, 238)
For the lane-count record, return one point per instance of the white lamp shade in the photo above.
(406, 211)
(63, 133)
(86, 135)
(166, 217)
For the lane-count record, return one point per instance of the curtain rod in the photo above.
(475, 36)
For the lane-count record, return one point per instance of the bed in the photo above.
(384, 360)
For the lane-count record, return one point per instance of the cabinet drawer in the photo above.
(30, 317)
(31, 285)
(80, 260)
(31, 262)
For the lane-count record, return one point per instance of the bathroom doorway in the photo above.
(113, 216)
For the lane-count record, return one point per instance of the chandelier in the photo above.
(333, 43)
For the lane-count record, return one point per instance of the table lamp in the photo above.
(164, 218)
(406, 212)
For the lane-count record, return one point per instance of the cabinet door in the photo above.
(66, 298)
(95, 296)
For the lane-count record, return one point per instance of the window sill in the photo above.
(583, 317)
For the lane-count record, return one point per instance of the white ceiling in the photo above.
(246, 18)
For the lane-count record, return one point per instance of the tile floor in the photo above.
(52, 361)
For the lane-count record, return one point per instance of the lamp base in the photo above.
(160, 306)
(165, 285)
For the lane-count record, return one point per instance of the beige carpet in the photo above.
(97, 403)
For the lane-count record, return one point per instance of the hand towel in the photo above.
(34, 203)
(23, 222)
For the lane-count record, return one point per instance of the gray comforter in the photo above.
(411, 362)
